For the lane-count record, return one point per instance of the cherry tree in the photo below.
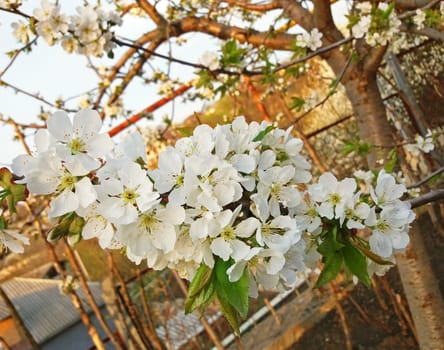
(232, 208)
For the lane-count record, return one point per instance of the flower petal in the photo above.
(221, 248)
(64, 203)
(59, 126)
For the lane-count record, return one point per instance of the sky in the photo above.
(52, 73)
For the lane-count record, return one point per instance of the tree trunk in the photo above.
(370, 113)
(425, 300)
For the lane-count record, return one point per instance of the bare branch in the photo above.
(16, 54)
(427, 178)
(411, 4)
(430, 33)
(135, 69)
(278, 41)
(295, 11)
(318, 52)
(35, 96)
(246, 5)
(151, 11)
(432, 196)
(330, 93)
(123, 60)
(323, 20)
(411, 13)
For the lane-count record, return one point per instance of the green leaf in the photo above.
(330, 245)
(330, 270)
(201, 289)
(231, 53)
(236, 293)
(297, 103)
(261, 135)
(12, 192)
(356, 262)
(229, 312)
(3, 224)
(360, 147)
(391, 164)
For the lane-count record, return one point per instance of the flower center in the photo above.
(179, 180)
(228, 233)
(382, 226)
(334, 198)
(275, 189)
(67, 182)
(76, 146)
(129, 196)
(148, 221)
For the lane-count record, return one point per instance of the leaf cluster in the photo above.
(209, 284)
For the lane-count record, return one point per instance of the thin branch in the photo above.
(89, 296)
(20, 136)
(427, 178)
(432, 196)
(159, 55)
(330, 93)
(258, 71)
(411, 13)
(37, 97)
(16, 54)
(122, 61)
(22, 125)
(16, 11)
(411, 4)
(131, 74)
(318, 52)
(430, 33)
(339, 121)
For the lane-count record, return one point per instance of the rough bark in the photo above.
(370, 114)
(422, 292)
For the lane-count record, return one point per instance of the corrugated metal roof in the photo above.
(44, 310)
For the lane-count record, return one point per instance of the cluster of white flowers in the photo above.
(422, 144)
(9, 4)
(88, 32)
(311, 40)
(237, 192)
(419, 18)
(382, 211)
(378, 25)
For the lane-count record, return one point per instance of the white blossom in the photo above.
(21, 31)
(210, 60)
(12, 240)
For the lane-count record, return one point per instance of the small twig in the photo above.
(16, 54)
(377, 291)
(37, 97)
(258, 71)
(427, 178)
(20, 136)
(342, 318)
(326, 97)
